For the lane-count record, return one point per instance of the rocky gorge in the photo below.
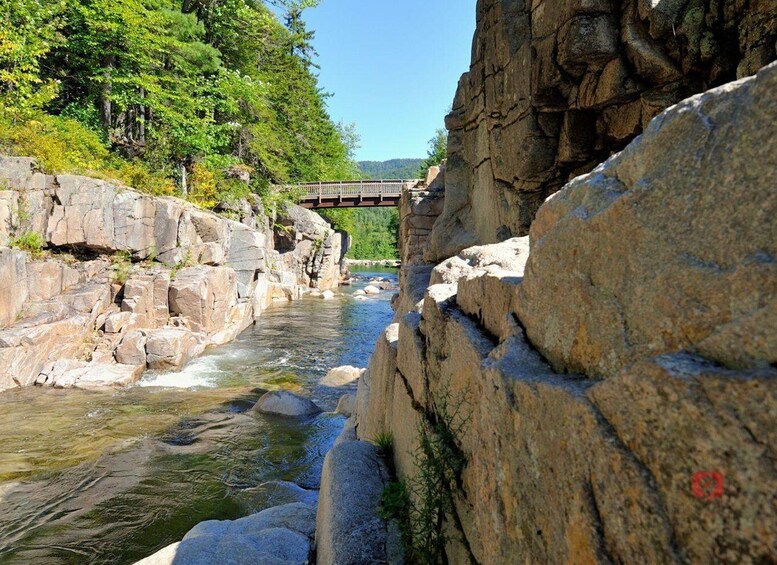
(130, 281)
(583, 350)
(581, 366)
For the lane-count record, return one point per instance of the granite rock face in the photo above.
(168, 279)
(674, 241)
(555, 87)
(610, 381)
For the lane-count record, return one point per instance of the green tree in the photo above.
(30, 30)
(438, 152)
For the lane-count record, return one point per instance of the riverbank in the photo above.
(145, 282)
(113, 475)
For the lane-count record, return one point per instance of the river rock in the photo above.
(341, 376)
(346, 404)
(79, 374)
(276, 536)
(348, 528)
(327, 295)
(277, 492)
(370, 289)
(170, 348)
(284, 403)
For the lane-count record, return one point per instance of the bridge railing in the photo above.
(358, 188)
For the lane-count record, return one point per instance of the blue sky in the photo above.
(393, 67)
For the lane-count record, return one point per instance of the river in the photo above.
(111, 476)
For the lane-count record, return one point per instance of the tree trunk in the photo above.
(182, 171)
(106, 106)
(142, 120)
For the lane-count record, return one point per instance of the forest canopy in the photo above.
(169, 96)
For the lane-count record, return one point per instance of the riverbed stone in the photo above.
(371, 289)
(277, 536)
(284, 403)
(342, 376)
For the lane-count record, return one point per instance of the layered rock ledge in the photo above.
(130, 281)
(615, 371)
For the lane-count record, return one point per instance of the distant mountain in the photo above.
(392, 169)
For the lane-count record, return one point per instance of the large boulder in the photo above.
(284, 403)
(170, 348)
(669, 245)
(348, 528)
(204, 296)
(342, 376)
(277, 536)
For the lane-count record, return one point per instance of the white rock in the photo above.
(341, 376)
(370, 289)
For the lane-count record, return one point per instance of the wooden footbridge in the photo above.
(351, 194)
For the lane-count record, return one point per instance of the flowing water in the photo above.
(111, 476)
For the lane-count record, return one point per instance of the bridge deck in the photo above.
(352, 194)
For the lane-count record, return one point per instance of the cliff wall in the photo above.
(555, 87)
(130, 281)
(605, 389)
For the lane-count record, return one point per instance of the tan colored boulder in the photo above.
(132, 349)
(116, 322)
(24, 352)
(205, 296)
(669, 245)
(170, 348)
(75, 374)
(342, 376)
(349, 530)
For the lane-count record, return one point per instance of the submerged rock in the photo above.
(284, 403)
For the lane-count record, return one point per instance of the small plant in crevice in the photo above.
(185, 262)
(420, 505)
(384, 442)
(122, 266)
(29, 241)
